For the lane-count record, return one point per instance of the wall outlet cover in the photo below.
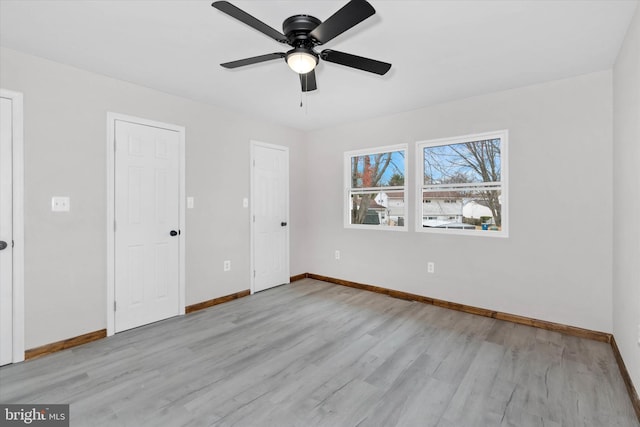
(60, 204)
(431, 267)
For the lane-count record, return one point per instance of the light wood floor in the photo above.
(313, 353)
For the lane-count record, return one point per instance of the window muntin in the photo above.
(463, 185)
(376, 188)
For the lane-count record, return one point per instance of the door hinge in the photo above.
(114, 306)
(254, 273)
(254, 218)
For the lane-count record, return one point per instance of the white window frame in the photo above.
(503, 135)
(347, 191)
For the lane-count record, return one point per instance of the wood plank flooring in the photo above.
(317, 354)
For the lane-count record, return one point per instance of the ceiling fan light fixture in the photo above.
(301, 60)
(304, 33)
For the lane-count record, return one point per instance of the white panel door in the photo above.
(6, 233)
(270, 194)
(147, 218)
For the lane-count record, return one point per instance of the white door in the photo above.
(147, 222)
(270, 202)
(6, 233)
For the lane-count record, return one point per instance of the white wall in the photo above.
(626, 191)
(65, 146)
(556, 264)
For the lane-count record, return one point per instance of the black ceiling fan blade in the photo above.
(308, 81)
(253, 60)
(354, 61)
(349, 16)
(244, 17)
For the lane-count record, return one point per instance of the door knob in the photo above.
(173, 233)
(3, 244)
(283, 224)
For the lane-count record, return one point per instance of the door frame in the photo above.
(111, 281)
(253, 145)
(17, 150)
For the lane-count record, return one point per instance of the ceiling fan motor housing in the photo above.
(297, 28)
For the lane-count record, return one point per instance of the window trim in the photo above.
(346, 208)
(503, 135)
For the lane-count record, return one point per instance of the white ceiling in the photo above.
(440, 50)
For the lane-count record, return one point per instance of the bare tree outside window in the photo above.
(468, 162)
(378, 175)
(464, 182)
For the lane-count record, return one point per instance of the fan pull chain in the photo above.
(302, 91)
(306, 105)
(304, 94)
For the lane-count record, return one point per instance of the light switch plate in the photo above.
(189, 202)
(60, 204)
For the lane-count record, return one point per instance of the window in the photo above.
(464, 180)
(376, 188)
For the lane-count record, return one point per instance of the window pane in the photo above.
(463, 209)
(378, 170)
(383, 208)
(467, 162)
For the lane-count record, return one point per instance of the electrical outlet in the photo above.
(60, 204)
(431, 267)
(227, 265)
(337, 254)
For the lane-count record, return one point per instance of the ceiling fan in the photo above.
(303, 33)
